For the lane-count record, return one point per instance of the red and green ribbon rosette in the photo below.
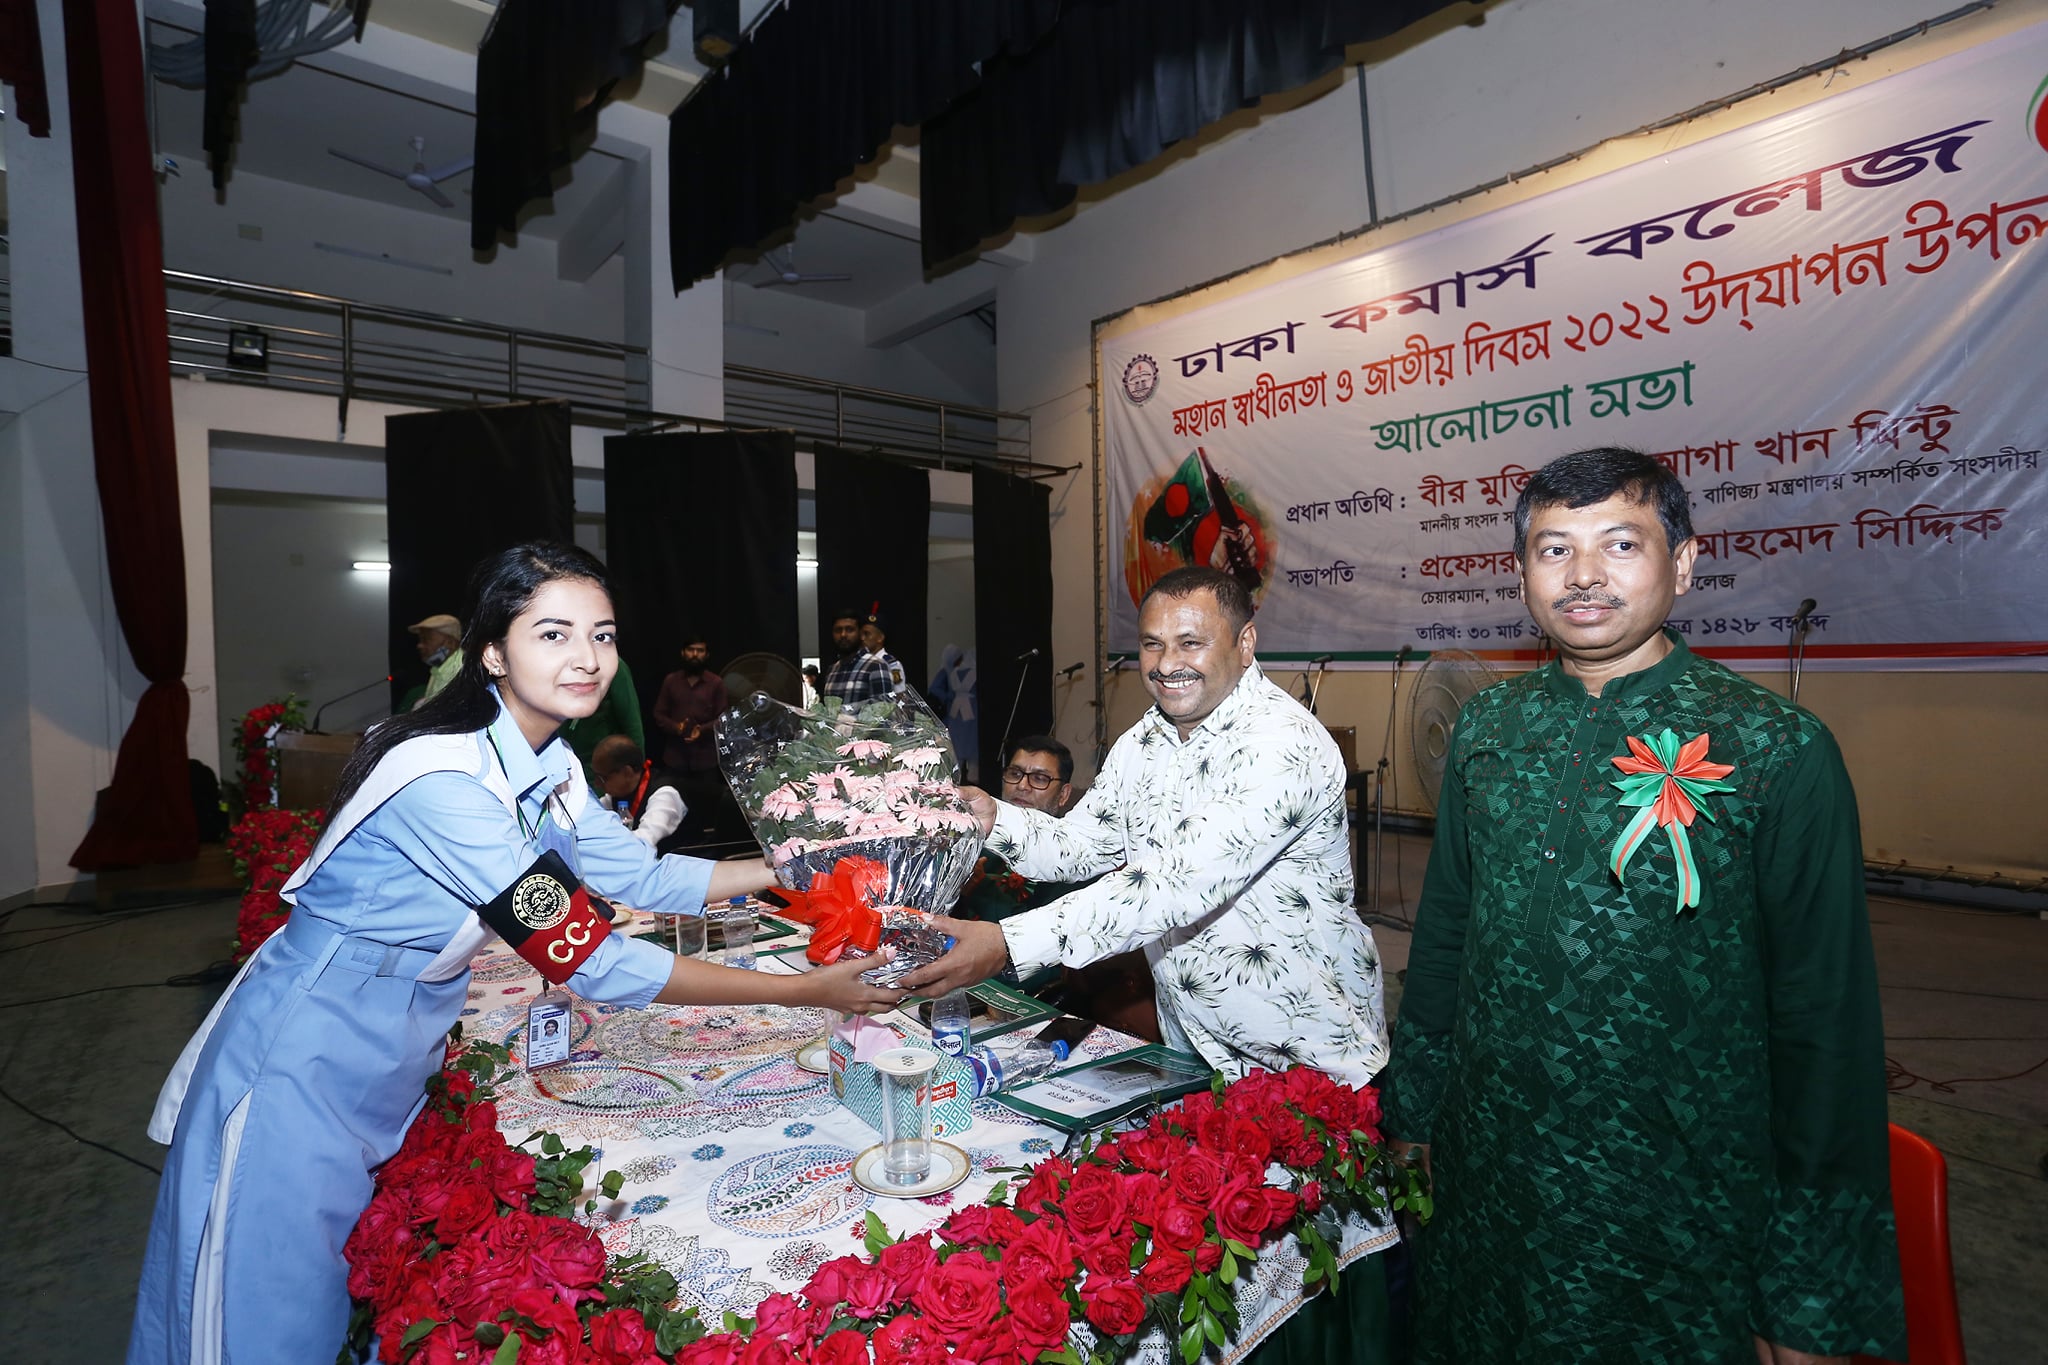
(1670, 782)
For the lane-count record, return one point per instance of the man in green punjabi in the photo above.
(1639, 1050)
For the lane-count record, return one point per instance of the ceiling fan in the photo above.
(419, 177)
(787, 273)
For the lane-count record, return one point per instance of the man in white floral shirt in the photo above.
(1219, 821)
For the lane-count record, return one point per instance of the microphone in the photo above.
(1027, 654)
(1116, 665)
(1805, 610)
(1071, 669)
(314, 728)
(1320, 660)
(1401, 654)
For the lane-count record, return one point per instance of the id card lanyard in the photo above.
(549, 1017)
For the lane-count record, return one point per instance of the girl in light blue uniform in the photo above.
(310, 1069)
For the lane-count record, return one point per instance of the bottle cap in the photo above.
(1060, 1050)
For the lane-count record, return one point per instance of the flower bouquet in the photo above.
(861, 819)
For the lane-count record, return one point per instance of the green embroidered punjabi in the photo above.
(1652, 1132)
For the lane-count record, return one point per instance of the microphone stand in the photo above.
(1796, 653)
(1023, 676)
(1379, 787)
(314, 728)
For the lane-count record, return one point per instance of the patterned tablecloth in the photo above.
(738, 1162)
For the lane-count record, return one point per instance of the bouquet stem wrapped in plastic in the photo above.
(869, 791)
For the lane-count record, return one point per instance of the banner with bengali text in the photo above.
(1832, 325)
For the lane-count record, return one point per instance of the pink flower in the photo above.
(925, 757)
(863, 749)
(784, 803)
(788, 851)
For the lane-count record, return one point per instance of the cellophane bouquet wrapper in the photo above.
(874, 781)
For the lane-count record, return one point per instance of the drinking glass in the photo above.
(689, 935)
(906, 1074)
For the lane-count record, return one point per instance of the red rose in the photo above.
(445, 1345)
(554, 1349)
(1096, 1201)
(906, 1264)
(827, 1286)
(619, 1336)
(843, 1347)
(1240, 1210)
(569, 1257)
(981, 1225)
(482, 1117)
(960, 1295)
(988, 1343)
(1044, 1186)
(766, 1350)
(1208, 1256)
(1151, 1151)
(474, 1283)
(870, 1292)
(1043, 1251)
(510, 1175)
(1196, 1176)
(903, 1340)
(720, 1348)
(1280, 1208)
(1312, 1196)
(547, 1310)
(467, 1206)
(1109, 1254)
(1245, 1138)
(1167, 1272)
(1039, 1316)
(781, 1315)
(1179, 1224)
(1143, 1192)
(1116, 1307)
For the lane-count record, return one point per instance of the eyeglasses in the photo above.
(1014, 776)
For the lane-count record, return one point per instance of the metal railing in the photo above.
(349, 350)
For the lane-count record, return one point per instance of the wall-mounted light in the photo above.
(371, 566)
(248, 349)
(805, 562)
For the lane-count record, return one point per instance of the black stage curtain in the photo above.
(814, 92)
(1012, 611)
(231, 49)
(458, 486)
(1116, 83)
(874, 545)
(543, 72)
(701, 531)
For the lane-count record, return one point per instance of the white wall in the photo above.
(293, 617)
(955, 363)
(71, 687)
(516, 287)
(1455, 104)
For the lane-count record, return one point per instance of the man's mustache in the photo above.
(1598, 599)
(1183, 675)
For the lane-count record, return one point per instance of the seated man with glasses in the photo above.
(1116, 991)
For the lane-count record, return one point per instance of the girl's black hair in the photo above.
(500, 588)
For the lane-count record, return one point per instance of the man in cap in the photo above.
(439, 640)
(870, 671)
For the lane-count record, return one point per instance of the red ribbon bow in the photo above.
(840, 908)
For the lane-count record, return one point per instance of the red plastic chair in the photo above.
(1934, 1330)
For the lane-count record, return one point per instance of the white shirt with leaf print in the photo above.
(1228, 864)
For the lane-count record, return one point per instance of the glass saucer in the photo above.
(950, 1166)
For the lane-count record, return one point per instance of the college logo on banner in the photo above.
(1826, 325)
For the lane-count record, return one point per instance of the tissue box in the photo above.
(856, 1085)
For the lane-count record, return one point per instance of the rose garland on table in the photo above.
(267, 846)
(457, 1258)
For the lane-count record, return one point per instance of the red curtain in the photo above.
(146, 816)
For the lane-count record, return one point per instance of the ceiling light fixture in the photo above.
(371, 566)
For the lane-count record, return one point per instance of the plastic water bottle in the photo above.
(1015, 1065)
(951, 1033)
(738, 926)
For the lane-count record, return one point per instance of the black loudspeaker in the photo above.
(715, 30)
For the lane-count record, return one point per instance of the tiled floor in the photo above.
(1965, 995)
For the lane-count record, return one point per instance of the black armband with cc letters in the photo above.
(547, 918)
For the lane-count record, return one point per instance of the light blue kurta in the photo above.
(331, 1038)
